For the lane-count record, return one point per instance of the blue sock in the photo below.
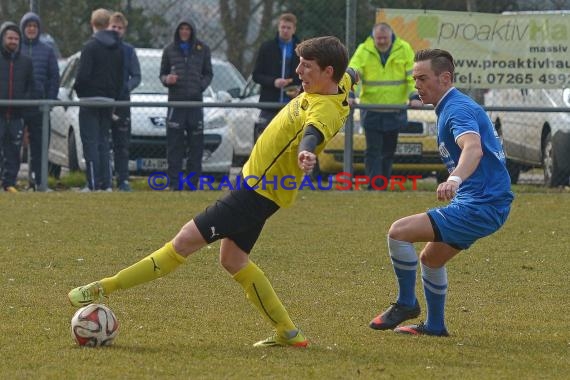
(405, 263)
(435, 290)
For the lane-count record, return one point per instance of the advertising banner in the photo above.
(524, 50)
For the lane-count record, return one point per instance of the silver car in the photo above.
(534, 139)
(148, 136)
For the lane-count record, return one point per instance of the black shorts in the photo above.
(239, 215)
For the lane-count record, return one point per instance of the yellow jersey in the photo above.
(272, 169)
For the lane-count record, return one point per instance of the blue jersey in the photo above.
(458, 114)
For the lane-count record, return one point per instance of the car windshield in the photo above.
(226, 77)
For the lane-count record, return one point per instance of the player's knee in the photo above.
(231, 264)
(396, 231)
(430, 261)
(227, 264)
(188, 239)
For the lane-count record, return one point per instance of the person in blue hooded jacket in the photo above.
(46, 77)
(99, 77)
(186, 69)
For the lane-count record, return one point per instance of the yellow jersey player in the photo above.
(287, 148)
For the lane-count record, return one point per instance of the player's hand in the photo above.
(306, 161)
(446, 190)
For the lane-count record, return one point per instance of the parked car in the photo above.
(148, 137)
(416, 153)
(243, 121)
(534, 139)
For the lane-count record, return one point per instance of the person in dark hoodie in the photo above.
(46, 76)
(16, 82)
(186, 69)
(275, 68)
(99, 77)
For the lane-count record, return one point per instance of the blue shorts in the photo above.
(460, 225)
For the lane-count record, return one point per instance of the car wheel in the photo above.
(54, 170)
(514, 171)
(553, 174)
(72, 152)
(238, 161)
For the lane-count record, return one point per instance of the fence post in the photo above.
(45, 146)
(349, 125)
(348, 137)
(350, 26)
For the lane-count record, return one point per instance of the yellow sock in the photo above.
(260, 293)
(158, 264)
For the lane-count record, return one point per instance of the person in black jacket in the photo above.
(186, 69)
(275, 69)
(46, 75)
(99, 77)
(16, 82)
(121, 128)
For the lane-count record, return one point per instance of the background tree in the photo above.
(236, 18)
(67, 21)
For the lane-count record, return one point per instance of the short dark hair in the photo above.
(441, 60)
(326, 51)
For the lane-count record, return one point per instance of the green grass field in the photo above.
(326, 256)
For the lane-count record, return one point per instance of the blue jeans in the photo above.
(11, 133)
(94, 129)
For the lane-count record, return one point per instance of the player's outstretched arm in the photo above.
(306, 158)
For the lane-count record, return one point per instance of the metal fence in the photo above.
(535, 141)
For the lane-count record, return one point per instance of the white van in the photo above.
(534, 139)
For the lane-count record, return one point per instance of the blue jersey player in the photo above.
(478, 189)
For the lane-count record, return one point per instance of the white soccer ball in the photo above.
(94, 325)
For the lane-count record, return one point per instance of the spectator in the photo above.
(99, 77)
(478, 190)
(186, 69)
(46, 76)
(16, 82)
(121, 127)
(384, 63)
(275, 69)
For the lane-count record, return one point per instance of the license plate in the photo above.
(409, 149)
(152, 164)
